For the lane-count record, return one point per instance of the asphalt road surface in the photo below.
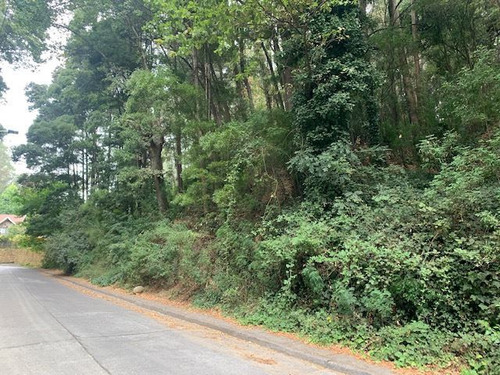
(48, 328)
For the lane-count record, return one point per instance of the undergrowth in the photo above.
(404, 269)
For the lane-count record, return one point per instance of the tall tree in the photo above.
(23, 30)
(333, 80)
(149, 114)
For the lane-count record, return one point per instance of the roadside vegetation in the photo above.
(327, 168)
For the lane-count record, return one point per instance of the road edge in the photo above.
(342, 363)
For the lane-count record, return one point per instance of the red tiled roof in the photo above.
(13, 218)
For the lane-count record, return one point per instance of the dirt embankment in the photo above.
(21, 256)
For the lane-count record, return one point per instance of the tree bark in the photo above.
(362, 8)
(243, 72)
(274, 79)
(196, 82)
(265, 86)
(178, 161)
(416, 55)
(287, 84)
(155, 149)
(414, 34)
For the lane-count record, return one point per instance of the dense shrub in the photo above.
(166, 255)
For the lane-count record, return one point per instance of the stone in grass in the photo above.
(138, 290)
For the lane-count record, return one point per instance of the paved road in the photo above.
(49, 328)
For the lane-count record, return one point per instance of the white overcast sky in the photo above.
(14, 112)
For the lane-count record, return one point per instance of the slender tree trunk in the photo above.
(285, 73)
(94, 179)
(208, 84)
(87, 175)
(362, 8)
(265, 86)
(248, 87)
(178, 160)
(220, 109)
(393, 96)
(196, 83)
(410, 92)
(240, 90)
(416, 55)
(243, 72)
(108, 157)
(287, 84)
(274, 79)
(415, 37)
(84, 176)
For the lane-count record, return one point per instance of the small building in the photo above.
(6, 221)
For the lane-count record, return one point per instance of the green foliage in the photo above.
(237, 158)
(23, 32)
(435, 151)
(165, 256)
(400, 254)
(50, 145)
(481, 349)
(334, 82)
(68, 249)
(43, 202)
(337, 170)
(454, 30)
(471, 99)
(407, 271)
(414, 344)
(11, 200)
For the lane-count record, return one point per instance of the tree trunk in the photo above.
(362, 8)
(220, 109)
(287, 84)
(265, 86)
(196, 82)
(286, 72)
(244, 74)
(155, 149)
(393, 94)
(274, 79)
(178, 160)
(414, 34)
(208, 84)
(409, 90)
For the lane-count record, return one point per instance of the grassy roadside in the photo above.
(179, 299)
(364, 297)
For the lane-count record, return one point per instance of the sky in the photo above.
(14, 111)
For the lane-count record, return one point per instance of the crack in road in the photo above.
(122, 335)
(34, 344)
(35, 298)
(264, 340)
(56, 328)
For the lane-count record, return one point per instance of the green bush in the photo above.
(66, 250)
(481, 349)
(414, 344)
(166, 255)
